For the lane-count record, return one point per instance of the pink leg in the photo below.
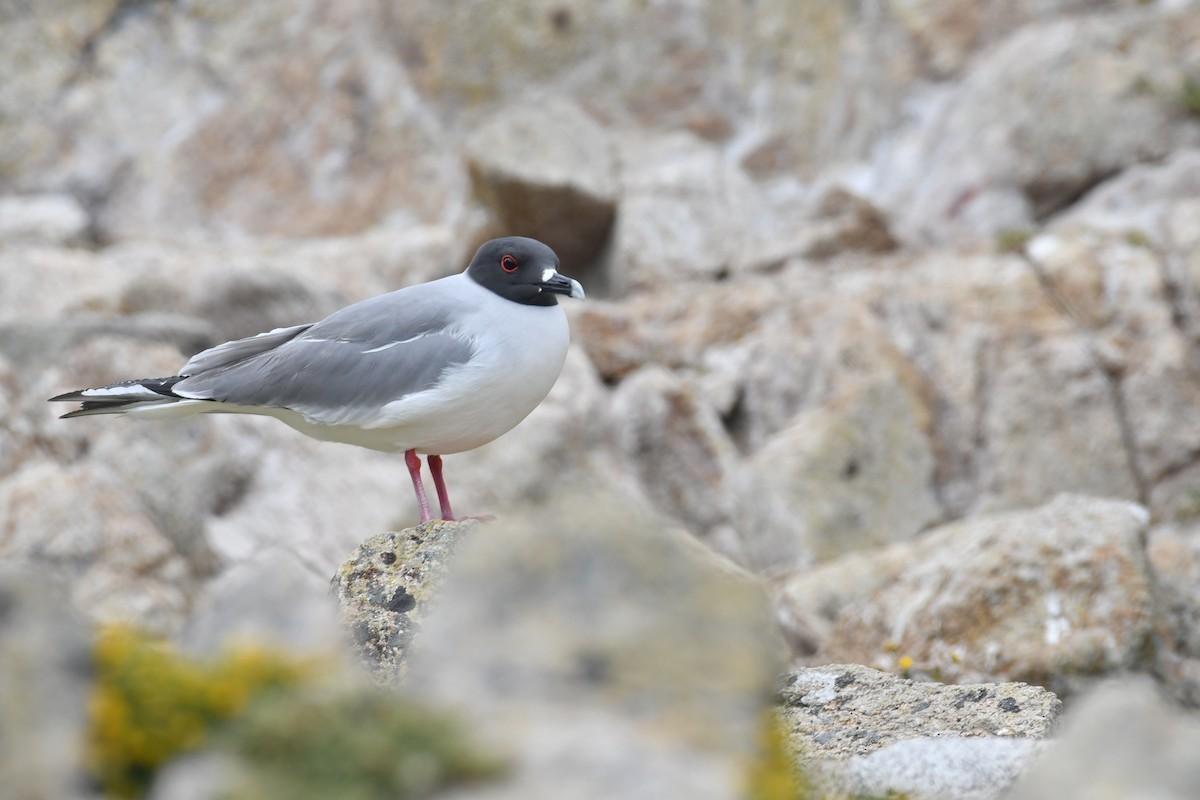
(414, 469)
(435, 469)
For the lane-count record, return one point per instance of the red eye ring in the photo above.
(508, 263)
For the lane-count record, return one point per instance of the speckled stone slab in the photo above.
(384, 587)
(844, 710)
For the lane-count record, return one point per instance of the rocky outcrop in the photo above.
(894, 305)
(1037, 121)
(384, 590)
(1050, 596)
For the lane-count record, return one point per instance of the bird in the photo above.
(431, 369)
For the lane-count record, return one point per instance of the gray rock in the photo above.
(549, 174)
(946, 34)
(1123, 739)
(674, 441)
(85, 527)
(609, 657)
(1037, 120)
(935, 769)
(46, 663)
(1050, 421)
(1173, 549)
(270, 600)
(1021, 407)
(786, 85)
(686, 213)
(135, 106)
(838, 711)
(820, 224)
(1119, 264)
(52, 219)
(33, 343)
(207, 775)
(1053, 596)
(855, 473)
(384, 590)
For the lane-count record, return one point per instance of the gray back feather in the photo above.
(231, 352)
(342, 369)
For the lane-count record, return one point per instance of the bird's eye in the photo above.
(508, 263)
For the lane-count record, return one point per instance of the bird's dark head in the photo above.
(522, 270)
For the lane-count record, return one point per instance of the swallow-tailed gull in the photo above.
(437, 368)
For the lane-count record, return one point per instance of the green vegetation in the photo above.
(1012, 240)
(150, 703)
(773, 775)
(1188, 507)
(1189, 95)
(1136, 238)
(369, 746)
(294, 738)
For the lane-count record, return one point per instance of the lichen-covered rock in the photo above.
(842, 710)
(1052, 596)
(385, 587)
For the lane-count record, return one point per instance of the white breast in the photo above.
(519, 353)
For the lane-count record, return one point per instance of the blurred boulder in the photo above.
(1120, 738)
(1054, 596)
(1173, 549)
(827, 222)
(947, 768)
(545, 169)
(1022, 407)
(1122, 264)
(608, 656)
(33, 344)
(80, 524)
(268, 600)
(48, 219)
(46, 664)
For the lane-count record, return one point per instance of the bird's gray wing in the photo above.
(344, 368)
(231, 352)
